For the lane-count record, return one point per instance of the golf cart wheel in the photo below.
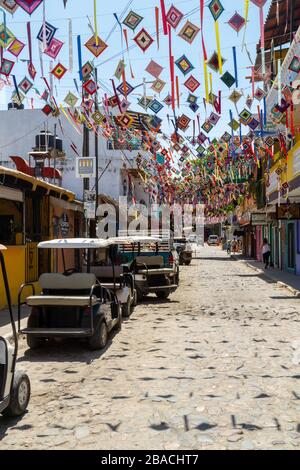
(135, 299)
(126, 309)
(99, 338)
(32, 341)
(20, 396)
(162, 295)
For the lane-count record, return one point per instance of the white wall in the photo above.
(18, 129)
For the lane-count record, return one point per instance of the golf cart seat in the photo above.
(56, 289)
(54, 300)
(107, 273)
(150, 261)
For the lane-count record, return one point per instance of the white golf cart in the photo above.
(106, 265)
(73, 304)
(152, 262)
(14, 385)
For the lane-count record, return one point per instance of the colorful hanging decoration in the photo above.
(155, 106)
(259, 94)
(295, 65)
(90, 87)
(235, 96)
(16, 47)
(216, 9)
(154, 69)
(237, 22)
(143, 40)
(9, 5)
(174, 17)
(71, 99)
(6, 36)
(6, 67)
(54, 48)
(158, 85)
(189, 32)
(125, 88)
(245, 116)
(228, 79)
(132, 20)
(192, 84)
(25, 85)
(184, 65)
(49, 30)
(183, 122)
(29, 5)
(213, 62)
(59, 71)
(96, 46)
(261, 4)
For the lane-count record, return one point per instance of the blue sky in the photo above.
(79, 10)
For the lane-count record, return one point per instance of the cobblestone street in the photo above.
(216, 367)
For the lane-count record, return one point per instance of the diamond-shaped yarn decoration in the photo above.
(253, 124)
(259, 3)
(207, 127)
(143, 40)
(216, 9)
(259, 94)
(226, 137)
(132, 20)
(95, 49)
(6, 67)
(168, 100)
(192, 84)
(125, 120)
(90, 87)
(154, 69)
(184, 65)
(295, 64)
(16, 47)
(189, 32)
(25, 85)
(125, 89)
(192, 99)
(214, 119)
(194, 107)
(213, 62)
(9, 5)
(29, 5)
(156, 106)
(87, 70)
(235, 96)
(6, 36)
(124, 105)
(237, 22)
(54, 48)
(145, 102)
(174, 17)
(158, 85)
(183, 122)
(59, 71)
(249, 101)
(245, 116)
(71, 99)
(50, 32)
(18, 98)
(234, 124)
(228, 79)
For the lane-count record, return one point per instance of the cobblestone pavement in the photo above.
(216, 367)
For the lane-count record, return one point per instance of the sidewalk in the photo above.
(284, 279)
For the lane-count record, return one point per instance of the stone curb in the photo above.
(280, 284)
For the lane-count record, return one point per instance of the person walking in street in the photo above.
(266, 251)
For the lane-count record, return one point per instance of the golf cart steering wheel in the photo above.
(71, 271)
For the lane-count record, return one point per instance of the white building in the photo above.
(18, 131)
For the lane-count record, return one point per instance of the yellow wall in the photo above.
(15, 266)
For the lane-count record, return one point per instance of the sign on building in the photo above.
(86, 167)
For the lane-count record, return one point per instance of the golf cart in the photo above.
(73, 304)
(184, 250)
(106, 266)
(14, 385)
(152, 262)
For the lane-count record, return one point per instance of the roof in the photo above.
(15, 178)
(76, 243)
(289, 21)
(2, 248)
(135, 239)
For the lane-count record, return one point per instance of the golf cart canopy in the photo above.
(76, 243)
(3, 248)
(135, 239)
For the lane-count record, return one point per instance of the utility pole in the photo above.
(86, 153)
